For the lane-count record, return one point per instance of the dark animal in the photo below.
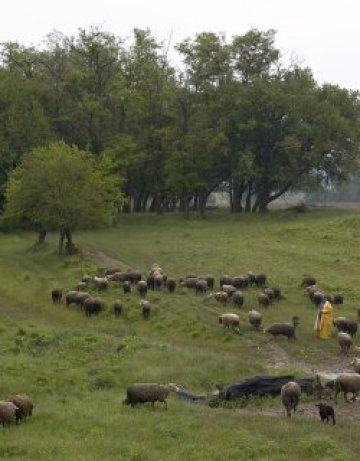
(127, 287)
(326, 412)
(264, 300)
(92, 306)
(170, 285)
(260, 280)
(347, 325)
(145, 308)
(240, 281)
(142, 288)
(225, 280)
(284, 329)
(56, 295)
(117, 306)
(338, 298)
(308, 281)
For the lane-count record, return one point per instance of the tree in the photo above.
(62, 188)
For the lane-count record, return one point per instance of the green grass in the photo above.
(77, 369)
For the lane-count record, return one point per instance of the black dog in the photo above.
(326, 412)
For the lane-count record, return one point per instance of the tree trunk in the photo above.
(41, 236)
(61, 241)
(202, 203)
(237, 193)
(70, 248)
(248, 199)
(186, 207)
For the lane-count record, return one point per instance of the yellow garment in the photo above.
(326, 321)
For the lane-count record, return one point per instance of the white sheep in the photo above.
(229, 320)
(347, 382)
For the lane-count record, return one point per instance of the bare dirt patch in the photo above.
(106, 261)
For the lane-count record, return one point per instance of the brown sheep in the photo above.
(24, 403)
(56, 295)
(290, 396)
(260, 280)
(308, 281)
(263, 300)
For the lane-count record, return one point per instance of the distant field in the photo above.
(77, 369)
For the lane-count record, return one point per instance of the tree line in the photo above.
(229, 116)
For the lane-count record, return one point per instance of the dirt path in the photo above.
(105, 260)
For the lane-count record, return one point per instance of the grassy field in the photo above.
(77, 369)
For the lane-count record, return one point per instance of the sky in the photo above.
(321, 34)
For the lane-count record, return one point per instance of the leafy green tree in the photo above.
(62, 188)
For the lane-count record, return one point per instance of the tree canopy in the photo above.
(62, 188)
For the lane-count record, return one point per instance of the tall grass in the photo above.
(77, 369)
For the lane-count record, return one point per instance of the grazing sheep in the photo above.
(219, 296)
(225, 280)
(347, 382)
(76, 297)
(189, 282)
(326, 412)
(240, 281)
(170, 285)
(210, 279)
(229, 320)
(158, 280)
(148, 392)
(117, 277)
(276, 292)
(347, 325)
(255, 319)
(56, 295)
(264, 300)
(238, 298)
(93, 306)
(345, 341)
(356, 364)
(229, 289)
(145, 308)
(9, 413)
(86, 278)
(142, 288)
(117, 306)
(290, 396)
(338, 298)
(308, 281)
(317, 297)
(24, 403)
(251, 277)
(201, 287)
(260, 280)
(133, 276)
(112, 271)
(284, 329)
(269, 293)
(100, 283)
(81, 286)
(126, 287)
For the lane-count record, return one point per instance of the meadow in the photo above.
(77, 368)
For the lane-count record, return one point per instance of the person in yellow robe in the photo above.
(323, 320)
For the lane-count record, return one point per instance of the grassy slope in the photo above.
(77, 369)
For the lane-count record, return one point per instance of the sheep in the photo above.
(142, 288)
(240, 281)
(356, 364)
(276, 292)
(260, 280)
(93, 306)
(338, 298)
(133, 276)
(201, 286)
(56, 295)
(255, 319)
(76, 297)
(317, 297)
(347, 325)
(100, 283)
(285, 329)
(229, 320)
(308, 281)
(326, 412)
(290, 396)
(219, 296)
(225, 280)
(126, 287)
(263, 300)
(345, 341)
(145, 308)
(117, 277)
(158, 280)
(356, 351)
(210, 279)
(81, 286)
(238, 298)
(269, 293)
(9, 413)
(24, 403)
(148, 392)
(189, 282)
(117, 307)
(347, 382)
(86, 278)
(170, 285)
(112, 271)
(229, 289)
(251, 277)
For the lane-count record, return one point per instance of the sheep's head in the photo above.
(173, 387)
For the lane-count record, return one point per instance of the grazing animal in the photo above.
(229, 320)
(9, 413)
(345, 341)
(81, 286)
(24, 403)
(145, 308)
(201, 287)
(76, 297)
(142, 288)
(225, 280)
(290, 396)
(255, 319)
(276, 292)
(93, 306)
(100, 283)
(229, 289)
(260, 280)
(326, 412)
(251, 277)
(264, 300)
(219, 296)
(56, 295)
(347, 325)
(241, 281)
(117, 306)
(238, 298)
(284, 329)
(356, 364)
(347, 382)
(148, 392)
(308, 281)
(127, 287)
(269, 293)
(338, 298)
(170, 285)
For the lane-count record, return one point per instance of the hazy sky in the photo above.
(323, 34)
